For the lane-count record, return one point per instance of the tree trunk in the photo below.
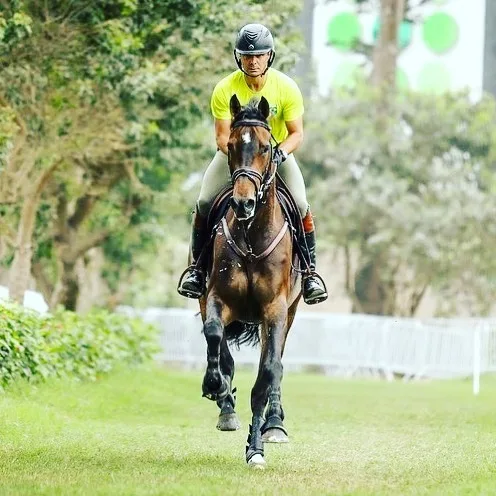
(373, 294)
(386, 51)
(20, 270)
(70, 287)
(69, 251)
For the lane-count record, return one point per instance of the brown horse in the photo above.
(252, 290)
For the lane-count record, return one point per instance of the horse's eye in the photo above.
(265, 149)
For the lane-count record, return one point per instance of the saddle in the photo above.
(290, 211)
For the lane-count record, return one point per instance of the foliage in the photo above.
(407, 197)
(35, 347)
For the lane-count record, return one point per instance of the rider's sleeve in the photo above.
(219, 103)
(293, 102)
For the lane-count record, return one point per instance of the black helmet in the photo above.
(254, 39)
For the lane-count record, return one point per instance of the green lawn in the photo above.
(150, 432)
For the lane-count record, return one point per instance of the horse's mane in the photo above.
(250, 111)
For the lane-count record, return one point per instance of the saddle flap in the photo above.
(219, 208)
(292, 214)
(289, 207)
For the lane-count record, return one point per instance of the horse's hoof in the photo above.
(228, 422)
(257, 461)
(274, 436)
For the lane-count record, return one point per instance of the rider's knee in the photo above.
(303, 206)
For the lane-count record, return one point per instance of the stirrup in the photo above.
(320, 298)
(185, 292)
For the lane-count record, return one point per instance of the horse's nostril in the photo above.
(243, 207)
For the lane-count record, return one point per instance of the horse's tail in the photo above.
(243, 333)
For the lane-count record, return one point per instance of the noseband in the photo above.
(261, 182)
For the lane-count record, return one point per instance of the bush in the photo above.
(34, 346)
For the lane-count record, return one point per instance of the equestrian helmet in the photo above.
(254, 39)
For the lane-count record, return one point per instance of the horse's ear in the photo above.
(234, 106)
(264, 107)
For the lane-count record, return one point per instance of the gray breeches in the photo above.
(217, 177)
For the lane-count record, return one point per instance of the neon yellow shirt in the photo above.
(282, 93)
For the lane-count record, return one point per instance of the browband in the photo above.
(250, 123)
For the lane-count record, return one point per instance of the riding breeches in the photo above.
(217, 177)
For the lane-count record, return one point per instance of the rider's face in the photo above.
(255, 65)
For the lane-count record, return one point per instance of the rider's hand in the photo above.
(279, 156)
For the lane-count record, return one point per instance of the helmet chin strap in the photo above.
(269, 63)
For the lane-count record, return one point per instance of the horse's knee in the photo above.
(213, 330)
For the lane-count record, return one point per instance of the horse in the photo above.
(253, 290)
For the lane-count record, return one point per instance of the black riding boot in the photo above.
(192, 282)
(313, 287)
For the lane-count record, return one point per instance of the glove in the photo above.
(279, 156)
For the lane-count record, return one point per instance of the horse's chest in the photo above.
(245, 282)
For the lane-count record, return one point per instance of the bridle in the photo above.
(261, 182)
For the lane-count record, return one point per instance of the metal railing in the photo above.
(350, 344)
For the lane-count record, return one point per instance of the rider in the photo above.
(254, 54)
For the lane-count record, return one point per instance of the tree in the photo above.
(407, 207)
(94, 97)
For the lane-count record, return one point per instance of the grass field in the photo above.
(150, 432)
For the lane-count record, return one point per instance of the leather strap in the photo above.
(250, 123)
(252, 256)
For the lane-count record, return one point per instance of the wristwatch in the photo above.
(284, 153)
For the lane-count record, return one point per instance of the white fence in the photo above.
(352, 344)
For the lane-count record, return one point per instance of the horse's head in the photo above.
(250, 155)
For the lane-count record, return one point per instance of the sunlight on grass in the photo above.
(148, 432)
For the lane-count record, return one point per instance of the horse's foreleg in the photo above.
(228, 420)
(214, 387)
(268, 382)
(273, 430)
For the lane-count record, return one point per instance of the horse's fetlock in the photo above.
(274, 410)
(213, 378)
